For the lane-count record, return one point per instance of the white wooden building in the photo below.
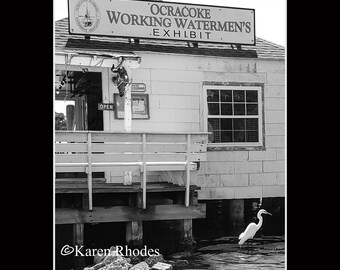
(237, 93)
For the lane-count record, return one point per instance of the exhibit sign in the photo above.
(162, 20)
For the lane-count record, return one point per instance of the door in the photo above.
(76, 105)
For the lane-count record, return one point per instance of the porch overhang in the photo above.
(95, 58)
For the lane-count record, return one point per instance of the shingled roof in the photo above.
(64, 42)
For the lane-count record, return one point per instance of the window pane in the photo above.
(213, 108)
(252, 109)
(226, 124)
(232, 107)
(213, 95)
(239, 136)
(251, 96)
(252, 136)
(226, 109)
(239, 96)
(239, 124)
(214, 127)
(213, 124)
(252, 124)
(226, 136)
(226, 96)
(239, 109)
(216, 137)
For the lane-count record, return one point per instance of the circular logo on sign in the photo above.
(87, 15)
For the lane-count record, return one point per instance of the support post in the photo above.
(78, 240)
(187, 188)
(127, 122)
(186, 229)
(144, 171)
(236, 214)
(134, 233)
(127, 108)
(78, 235)
(134, 229)
(186, 236)
(89, 173)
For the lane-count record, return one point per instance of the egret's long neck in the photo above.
(260, 220)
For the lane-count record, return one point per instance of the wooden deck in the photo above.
(81, 186)
(128, 154)
(127, 213)
(128, 163)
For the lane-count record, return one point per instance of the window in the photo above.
(234, 115)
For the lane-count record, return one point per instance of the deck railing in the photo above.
(98, 151)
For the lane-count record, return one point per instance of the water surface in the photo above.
(224, 253)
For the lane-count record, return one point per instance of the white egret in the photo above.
(252, 228)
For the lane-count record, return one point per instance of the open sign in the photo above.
(106, 106)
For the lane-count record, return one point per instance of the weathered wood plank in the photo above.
(172, 147)
(119, 157)
(126, 213)
(78, 180)
(116, 137)
(71, 168)
(71, 147)
(117, 147)
(120, 167)
(166, 138)
(164, 147)
(71, 136)
(68, 158)
(79, 187)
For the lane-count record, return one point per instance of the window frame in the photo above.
(236, 86)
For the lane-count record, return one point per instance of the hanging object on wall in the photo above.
(120, 78)
(106, 106)
(138, 87)
(62, 83)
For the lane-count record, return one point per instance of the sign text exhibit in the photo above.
(162, 20)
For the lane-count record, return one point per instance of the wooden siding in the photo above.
(175, 87)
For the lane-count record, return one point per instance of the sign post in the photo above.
(129, 65)
(127, 124)
(127, 106)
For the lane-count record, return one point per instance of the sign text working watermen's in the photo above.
(162, 20)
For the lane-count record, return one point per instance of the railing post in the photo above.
(89, 173)
(144, 170)
(187, 188)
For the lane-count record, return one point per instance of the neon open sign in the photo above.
(162, 20)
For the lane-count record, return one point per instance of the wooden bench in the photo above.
(102, 151)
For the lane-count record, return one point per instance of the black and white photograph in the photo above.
(169, 135)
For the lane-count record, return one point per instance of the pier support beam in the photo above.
(185, 226)
(236, 215)
(134, 234)
(78, 240)
(78, 234)
(134, 229)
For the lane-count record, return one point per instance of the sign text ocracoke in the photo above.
(162, 20)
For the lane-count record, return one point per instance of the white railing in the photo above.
(93, 151)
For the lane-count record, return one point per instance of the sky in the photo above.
(270, 15)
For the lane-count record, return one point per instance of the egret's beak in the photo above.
(269, 213)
